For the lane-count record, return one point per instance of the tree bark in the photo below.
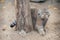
(24, 20)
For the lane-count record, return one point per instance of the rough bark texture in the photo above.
(24, 20)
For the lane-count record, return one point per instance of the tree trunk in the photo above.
(24, 20)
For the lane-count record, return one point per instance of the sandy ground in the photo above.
(7, 16)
